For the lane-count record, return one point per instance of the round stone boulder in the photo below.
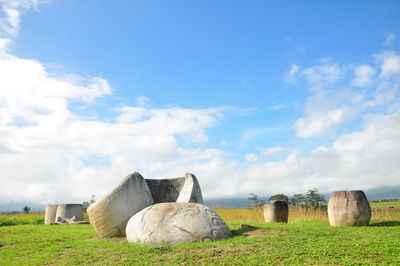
(349, 208)
(175, 223)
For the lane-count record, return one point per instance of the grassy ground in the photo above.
(386, 204)
(297, 243)
(304, 240)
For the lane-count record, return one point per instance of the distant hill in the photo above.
(228, 203)
(19, 205)
(384, 192)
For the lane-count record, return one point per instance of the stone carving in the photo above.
(63, 213)
(276, 211)
(176, 223)
(110, 215)
(72, 220)
(349, 208)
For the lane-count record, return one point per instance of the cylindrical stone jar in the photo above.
(69, 211)
(349, 208)
(276, 211)
(50, 214)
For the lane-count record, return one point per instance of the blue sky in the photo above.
(266, 86)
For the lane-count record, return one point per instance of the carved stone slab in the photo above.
(180, 189)
(110, 215)
(50, 215)
(174, 223)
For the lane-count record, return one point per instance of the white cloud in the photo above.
(360, 160)
(390, 38)
(27, 91)
(277, 107)
(291, 76)
(142, 101)
(4, 43)
(326, 110)
(364, 75)
(323, 75)
(252, 133)
(389, 64)
(319, 123)
(45, 145)
(271, 150)
(48, 152)
(263, 153)
(10, 14)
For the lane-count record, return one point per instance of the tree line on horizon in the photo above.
(312, 198)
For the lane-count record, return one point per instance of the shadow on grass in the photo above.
(386, 223)
(244, 229)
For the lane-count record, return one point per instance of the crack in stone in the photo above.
(186, 231)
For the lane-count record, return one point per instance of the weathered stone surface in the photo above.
(181, 189)
(176, 223)
(276, 211)
(63, 214)
(110, 215)
(349, 208)
(60, 220)
(67, 211)
(50, 214)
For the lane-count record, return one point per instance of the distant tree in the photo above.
(254, 198)
(26, 209)
(86, 204)
(256, 201)
(314, 199)
(279, 197)
(297, 200)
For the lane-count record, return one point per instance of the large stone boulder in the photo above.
(110, 215)
(180, 189)
(276, 211)
(175, 223)
(349, 208)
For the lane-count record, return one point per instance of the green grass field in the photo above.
(385, 204)
(299, 242)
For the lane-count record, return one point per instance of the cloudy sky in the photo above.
(260, 97)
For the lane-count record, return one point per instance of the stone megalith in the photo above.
(50, 214)
(67, 211)
(110, 215)
(349, 208)
(181, 189)
(276, 211)
(175, 223)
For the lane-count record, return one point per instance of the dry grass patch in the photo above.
(302, 214)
